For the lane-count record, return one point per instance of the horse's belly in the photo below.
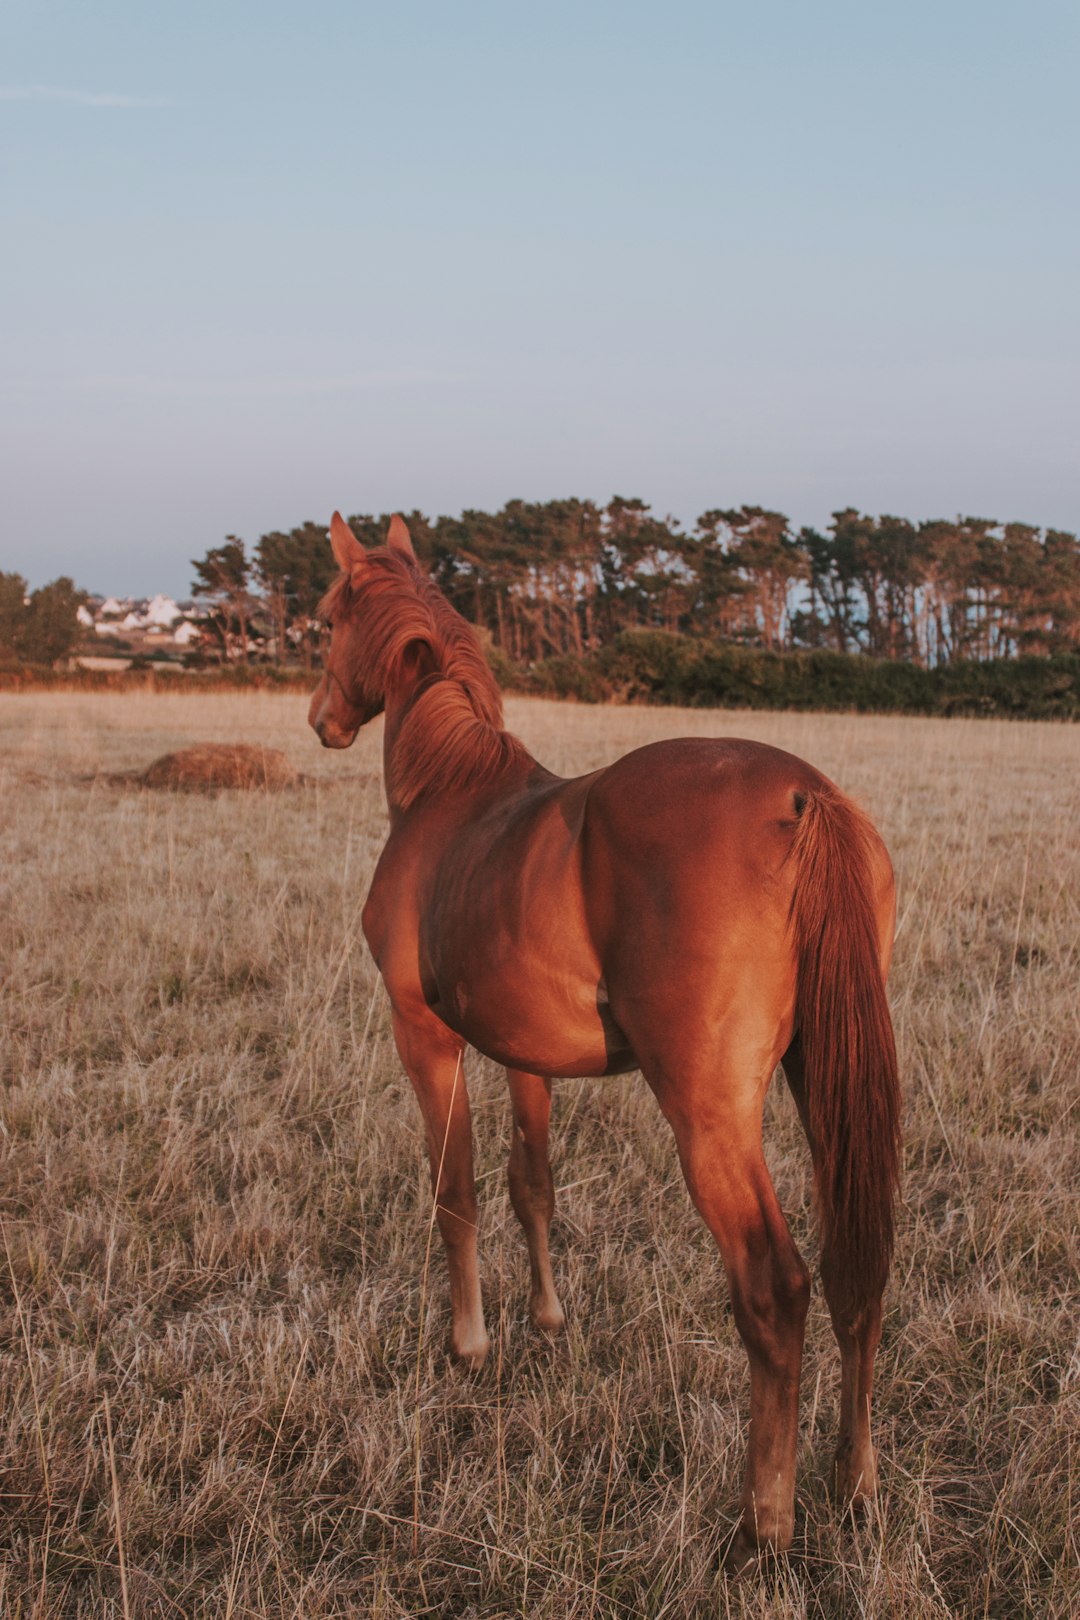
(540, 1030)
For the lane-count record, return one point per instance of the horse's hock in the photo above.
(221, 765)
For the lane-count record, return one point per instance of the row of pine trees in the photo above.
(565, 577)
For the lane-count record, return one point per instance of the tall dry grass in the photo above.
(224, 1384)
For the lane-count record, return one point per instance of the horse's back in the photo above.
(673, 784)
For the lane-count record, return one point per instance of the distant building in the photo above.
(142, 622)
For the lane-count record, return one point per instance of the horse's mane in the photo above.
(452, 736)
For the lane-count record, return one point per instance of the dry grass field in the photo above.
(225, 1390)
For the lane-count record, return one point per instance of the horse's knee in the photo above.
(457, 1212)
(529, 1176)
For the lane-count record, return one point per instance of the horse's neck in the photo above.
(436, 742)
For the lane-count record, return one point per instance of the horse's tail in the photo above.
(849, 1053)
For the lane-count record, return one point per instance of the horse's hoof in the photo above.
(744, 1554)
(472, 1352)
(547, 1315)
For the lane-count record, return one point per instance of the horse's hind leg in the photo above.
(532, 1191)
(718, 1133)
(857, 1326)
(434, 1061)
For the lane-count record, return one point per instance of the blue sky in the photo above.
(265, 260)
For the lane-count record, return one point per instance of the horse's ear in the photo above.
(398, 539)
(348, 551)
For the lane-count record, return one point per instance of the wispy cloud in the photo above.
(79, 98)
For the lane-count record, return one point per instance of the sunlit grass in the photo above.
(215, 1212)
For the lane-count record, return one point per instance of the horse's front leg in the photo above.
(532, 1191)
(433, 1057)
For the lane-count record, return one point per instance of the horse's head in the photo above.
(352, 690)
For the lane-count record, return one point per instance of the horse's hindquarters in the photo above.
(688, 890)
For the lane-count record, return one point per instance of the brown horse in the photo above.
(701, 910)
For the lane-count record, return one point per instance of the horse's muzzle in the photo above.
(329, 730)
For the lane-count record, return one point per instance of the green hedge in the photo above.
(654, 666)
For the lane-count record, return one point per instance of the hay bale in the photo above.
(221, 765)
